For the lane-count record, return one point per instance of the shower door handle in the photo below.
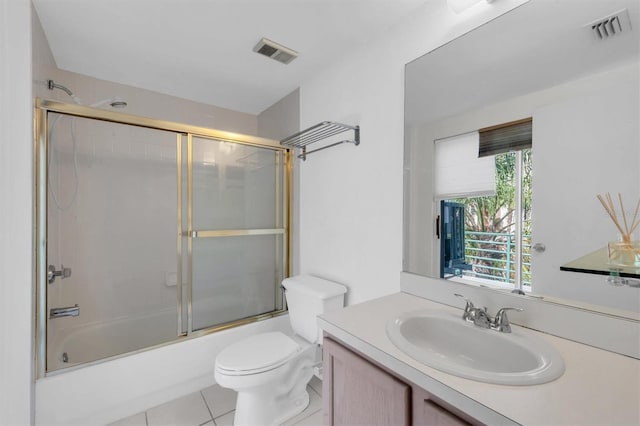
(62, 273)
(71, 311)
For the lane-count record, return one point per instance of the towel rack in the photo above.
(319, 132)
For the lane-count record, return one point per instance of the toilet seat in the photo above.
(257, 354)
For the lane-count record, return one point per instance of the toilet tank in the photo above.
(307, 297)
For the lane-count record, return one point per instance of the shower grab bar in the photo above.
(70, 311)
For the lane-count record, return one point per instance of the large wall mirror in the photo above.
(576, 92)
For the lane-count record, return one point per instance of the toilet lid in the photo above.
(257, 353)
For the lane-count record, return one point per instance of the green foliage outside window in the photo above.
(490, 223)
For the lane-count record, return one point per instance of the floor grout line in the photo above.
(224, 414)
(207, 405)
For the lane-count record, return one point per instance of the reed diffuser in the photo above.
(625, 252)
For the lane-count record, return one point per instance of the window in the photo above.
(495, 229)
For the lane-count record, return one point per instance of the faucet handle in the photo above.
(469, 302)
(467, 309)
(501, 321)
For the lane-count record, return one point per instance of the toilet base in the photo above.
(253, 409)
(271, 397)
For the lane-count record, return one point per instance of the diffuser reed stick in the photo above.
(610, 208)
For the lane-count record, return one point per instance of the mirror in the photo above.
(581, 90)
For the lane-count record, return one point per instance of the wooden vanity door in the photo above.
(356, 392)
(430, 411)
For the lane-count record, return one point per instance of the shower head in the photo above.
(52, 85)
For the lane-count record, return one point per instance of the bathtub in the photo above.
(88, 343)
(103, 392)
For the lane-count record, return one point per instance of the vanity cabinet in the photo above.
(356, 391)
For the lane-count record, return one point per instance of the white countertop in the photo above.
(597, 388)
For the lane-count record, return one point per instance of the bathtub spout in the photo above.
(71, 311)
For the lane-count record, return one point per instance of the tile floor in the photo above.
(214, 406)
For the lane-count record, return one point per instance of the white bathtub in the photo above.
(107, 391)
(94, 342)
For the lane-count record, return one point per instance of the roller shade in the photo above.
(502, 138)
(459, 172)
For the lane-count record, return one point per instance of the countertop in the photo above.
(597, 388)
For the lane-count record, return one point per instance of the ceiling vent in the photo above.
(610, 26)
(275, 51)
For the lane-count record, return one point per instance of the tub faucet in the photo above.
(70, 311)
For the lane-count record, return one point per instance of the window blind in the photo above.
(459, 172)
(506, 137)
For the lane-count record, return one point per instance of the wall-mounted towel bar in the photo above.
(319, 132)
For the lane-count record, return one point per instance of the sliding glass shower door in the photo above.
(111, 239)
(237, 231)
(150, 232)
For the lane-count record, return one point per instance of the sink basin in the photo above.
(446, 342)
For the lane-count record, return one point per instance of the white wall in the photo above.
(351, 197)
(16, 290)
(281, 119)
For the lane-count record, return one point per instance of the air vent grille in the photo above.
(611, 25)
(267, 50)
(275, 51)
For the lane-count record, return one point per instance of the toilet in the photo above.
(270, 371)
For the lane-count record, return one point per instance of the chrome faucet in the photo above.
(478, 316)
(481, 318)
(62, 273)
(71, 311)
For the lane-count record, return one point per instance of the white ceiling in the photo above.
(202, 49)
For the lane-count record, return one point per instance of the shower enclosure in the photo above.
(150, 232)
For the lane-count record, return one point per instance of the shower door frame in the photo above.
(184, 133)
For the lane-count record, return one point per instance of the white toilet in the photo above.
(270, 371)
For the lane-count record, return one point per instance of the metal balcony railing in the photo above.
(492, 255)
